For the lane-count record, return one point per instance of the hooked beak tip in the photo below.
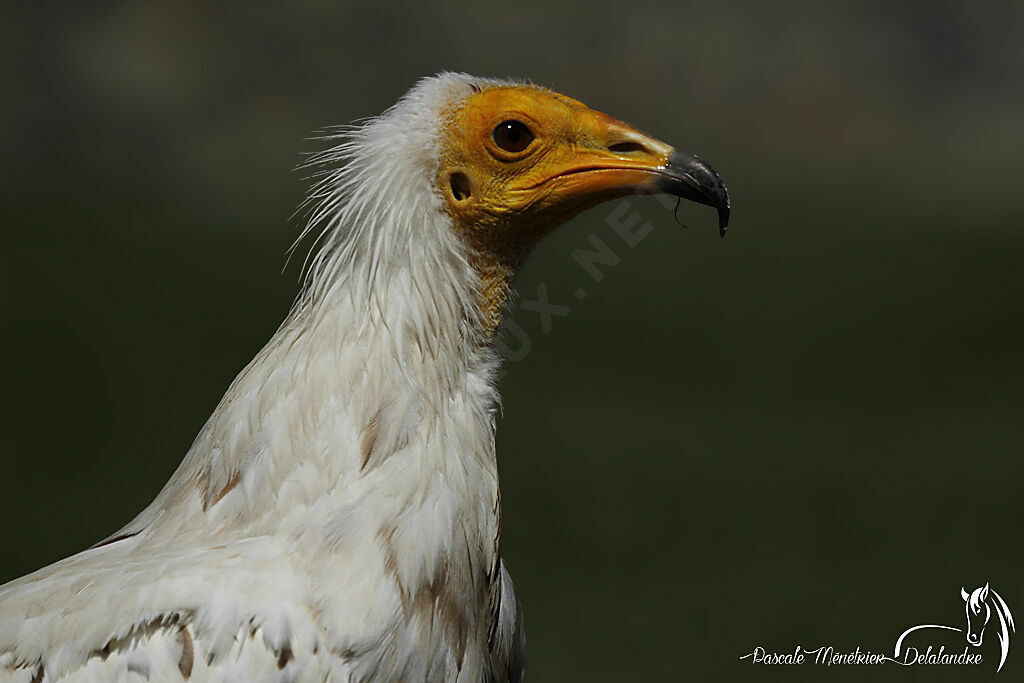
(690, 177)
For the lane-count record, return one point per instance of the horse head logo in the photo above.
(980, 604)
(978, 613)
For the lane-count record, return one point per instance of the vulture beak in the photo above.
(690, 177)
(615, 158)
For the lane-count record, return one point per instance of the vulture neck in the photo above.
(373, 405)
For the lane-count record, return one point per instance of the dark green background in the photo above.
(809, 432)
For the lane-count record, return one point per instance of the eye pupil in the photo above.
(512, 136)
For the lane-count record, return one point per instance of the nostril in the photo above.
(627, 147)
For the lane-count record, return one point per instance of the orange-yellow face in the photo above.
(516, 161)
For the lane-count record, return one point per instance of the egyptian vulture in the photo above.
(337, 518)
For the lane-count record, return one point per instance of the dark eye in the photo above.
(512, 136)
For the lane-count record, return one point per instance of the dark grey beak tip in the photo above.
(692, 178)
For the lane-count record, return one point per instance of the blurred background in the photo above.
(808, 433)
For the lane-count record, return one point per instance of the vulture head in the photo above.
(506, 162)
(517, 161)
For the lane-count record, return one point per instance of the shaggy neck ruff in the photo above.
(386, 355)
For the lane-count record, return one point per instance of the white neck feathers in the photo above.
(384, 352)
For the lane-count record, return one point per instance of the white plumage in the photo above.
(337, 517)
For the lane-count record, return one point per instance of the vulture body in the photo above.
(337, 518)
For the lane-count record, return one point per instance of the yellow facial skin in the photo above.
(506, 200)
(505, 197)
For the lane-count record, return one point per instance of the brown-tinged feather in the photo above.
(188, 652)
(210, 497)
(369, 440)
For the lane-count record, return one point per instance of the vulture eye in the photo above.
(512, 136)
